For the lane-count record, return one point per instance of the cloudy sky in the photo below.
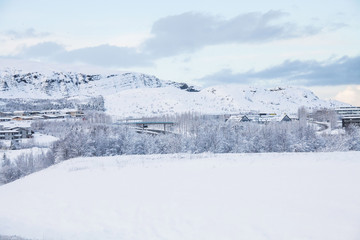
(315, 44)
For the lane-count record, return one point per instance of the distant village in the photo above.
(36, 115)
(15, 133)
(261, 118)
(346, 116)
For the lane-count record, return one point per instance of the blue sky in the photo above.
(266, 43)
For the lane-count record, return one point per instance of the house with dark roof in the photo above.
(286, 118)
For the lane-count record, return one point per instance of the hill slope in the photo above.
(223, 196)
(214, 100)
(17, 84)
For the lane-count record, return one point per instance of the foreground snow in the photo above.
(225, 196)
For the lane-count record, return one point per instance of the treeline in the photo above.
(23, 165)
(97, 136)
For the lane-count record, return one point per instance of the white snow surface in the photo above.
(42, 140)
(13, 154)
(208, 196)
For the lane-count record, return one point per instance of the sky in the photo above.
(312, 44)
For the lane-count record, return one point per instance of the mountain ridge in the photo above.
(137, 94)
(66, 84)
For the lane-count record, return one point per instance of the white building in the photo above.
(348, 111)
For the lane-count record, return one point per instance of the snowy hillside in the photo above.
(213, 100)
(224, 196)
(137, 95)
(17, 84)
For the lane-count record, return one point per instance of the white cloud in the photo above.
(350, 95)
(344, 70)
(27, 33)
(191, 31)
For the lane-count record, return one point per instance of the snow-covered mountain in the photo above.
(17, 84)
(134, 94)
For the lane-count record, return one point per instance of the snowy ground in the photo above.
(225, 196)
(42, 140)
(13, 154)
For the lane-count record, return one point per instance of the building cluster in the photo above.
(261, 118)
(35, 115)
(349, 116)
(15, 133)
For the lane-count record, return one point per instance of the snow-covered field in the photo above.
(226, 196)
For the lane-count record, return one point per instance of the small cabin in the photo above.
(286, 118)
(238, 118)
(75, 113)
(244, 119)
(18, 118)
